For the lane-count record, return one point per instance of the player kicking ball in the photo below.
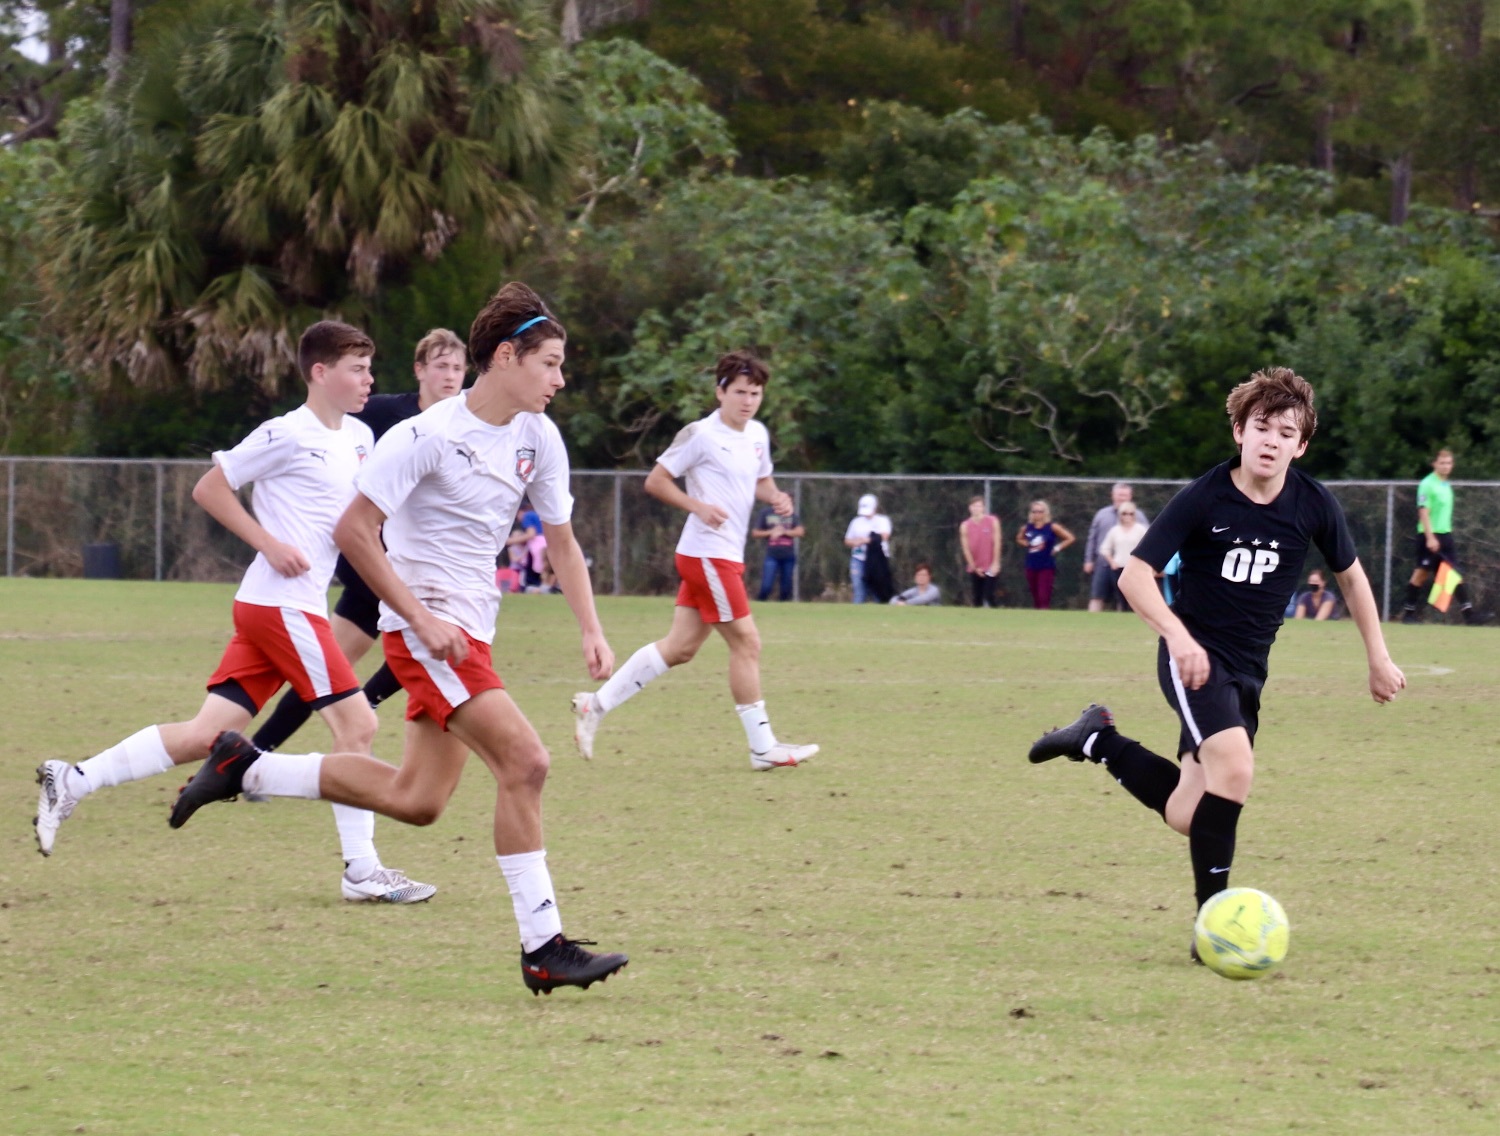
(303, 467)
(726, 461)
(1243, 530)
(445, 485)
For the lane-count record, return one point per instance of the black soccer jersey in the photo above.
(1241, 561)
(382, 411)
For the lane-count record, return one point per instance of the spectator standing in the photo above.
(922, 593)
(1116, 548)
(781, 535)
(1101, 577)
(1319, 601)
(1043, 539)
(979, 538)
(867, 524)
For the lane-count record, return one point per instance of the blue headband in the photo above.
(524, 326)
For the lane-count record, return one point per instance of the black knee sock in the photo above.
(1211, 844)
(290, 713)
(1146, 776)
(1461, 594)
(1413, 596)
(381, 686)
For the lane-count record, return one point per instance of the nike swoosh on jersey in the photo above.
(1224, 529)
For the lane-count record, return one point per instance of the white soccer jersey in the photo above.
(721, 466)
(449, 484)
(303, 476)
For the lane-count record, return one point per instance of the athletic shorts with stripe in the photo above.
(1226, 700)
(273, 645)
(437, 687)
(715, 587)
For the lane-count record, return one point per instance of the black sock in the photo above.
(382, 685)
(1461, 594)
(1146, 776)
(1413, 596)
(290, 713)
(1211, 843)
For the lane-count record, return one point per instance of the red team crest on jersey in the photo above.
(359, 452)
(525, 464)
(760, 450)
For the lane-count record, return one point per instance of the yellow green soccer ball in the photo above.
(1241, 933)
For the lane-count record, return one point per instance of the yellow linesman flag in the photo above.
(1444, 585)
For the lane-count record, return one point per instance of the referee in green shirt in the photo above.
(1435, 540)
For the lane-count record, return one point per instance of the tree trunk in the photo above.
(571, 34)
(1323, 147)
(1400, 188)
(1471, 28)
(121, 13)
(1018, 28)
(971, 18)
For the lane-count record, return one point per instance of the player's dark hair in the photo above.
(740, 364)
(513, 314)
(1270, 394)
(328, 341)
(438, 341)
(1442, 454)
(922, 567)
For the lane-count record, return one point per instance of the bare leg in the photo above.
(744, 658)
(1225, 767)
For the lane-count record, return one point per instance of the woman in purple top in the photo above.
(1042, 539)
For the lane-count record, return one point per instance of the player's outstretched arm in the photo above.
(1385, 676)
(572, 573)
(222, 503)
(358, 536)
(661, 485)
(1138, 586)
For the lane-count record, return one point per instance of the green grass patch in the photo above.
(918, 932)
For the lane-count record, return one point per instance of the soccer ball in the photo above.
(1241, 933)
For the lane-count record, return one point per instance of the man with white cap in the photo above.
(867, 524)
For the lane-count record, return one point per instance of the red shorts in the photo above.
(715, 587)
(273, 645)
(437, 687)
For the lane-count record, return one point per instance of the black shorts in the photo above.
(358, 604)
(1226, 700)
(1429, 560)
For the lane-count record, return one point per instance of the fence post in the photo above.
(616, 555)
(10, 518)
(1390, 523)
(986, 496)
(797, 544)
(160, 474)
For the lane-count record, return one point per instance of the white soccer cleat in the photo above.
(386, 885)
(781, 756)
(589, 717)
(54, 804)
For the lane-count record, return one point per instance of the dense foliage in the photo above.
(1040, 236)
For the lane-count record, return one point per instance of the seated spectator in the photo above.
(923, 593)
(1319, 601)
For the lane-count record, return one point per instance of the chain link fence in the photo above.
(137, 520)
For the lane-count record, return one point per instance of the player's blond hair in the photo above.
(1270, 394)
(438, 341)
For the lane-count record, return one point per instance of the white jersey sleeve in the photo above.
(402, 458)
(549, 490)
(265, 451)
(684, 452)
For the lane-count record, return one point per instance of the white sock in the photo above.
(285, 775)
(1088, 746)
(532, 897)
(757, 726)
(140, 755)
(357, 840)
(640, 669)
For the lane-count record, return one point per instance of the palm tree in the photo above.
(263, 168)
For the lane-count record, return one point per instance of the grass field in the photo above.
(918, 932)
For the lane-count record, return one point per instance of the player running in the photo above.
(1244, 529)
(441, 360)
(445, 485)
(726, 460)
(303, 466)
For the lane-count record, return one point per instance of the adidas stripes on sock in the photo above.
(141, 755)
(532, 897)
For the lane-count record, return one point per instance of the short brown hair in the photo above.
(739, 364)
(509, 315)
(438, 341)
(1442, 454)
(1271, 393)
(328, 341)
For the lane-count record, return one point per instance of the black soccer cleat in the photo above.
(1478, 618)
(563, 962)
(220, 778)
(1410, 617)
(1068, 741)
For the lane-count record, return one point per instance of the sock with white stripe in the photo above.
(141, 755)
(1211, 844)
(531, 896)
(357, 840)
(757, 725)
(285, 775)
(641, 668)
